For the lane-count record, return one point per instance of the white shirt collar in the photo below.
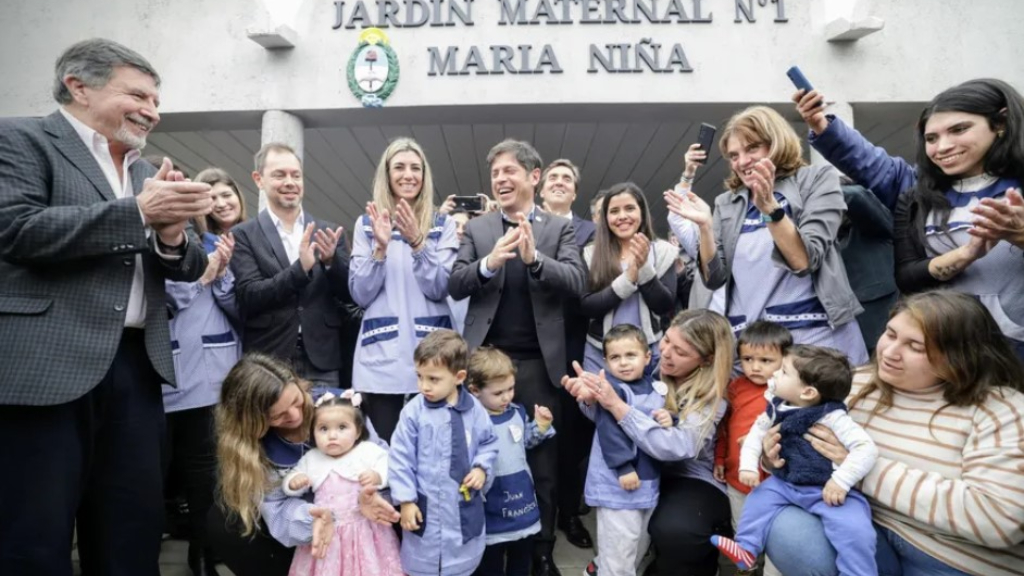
(300, 222)
(95, 141)
(515, 218)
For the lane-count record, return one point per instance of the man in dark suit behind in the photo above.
(866, 244)
(519, 266)
(558, 185)
(291, 273)
(88, 234)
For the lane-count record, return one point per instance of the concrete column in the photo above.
(280, 126)
(844, 111)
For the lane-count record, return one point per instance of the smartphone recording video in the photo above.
(469, 203)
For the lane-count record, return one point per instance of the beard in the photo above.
(125, 136)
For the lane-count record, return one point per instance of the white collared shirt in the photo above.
(99, 147)
(291, 240)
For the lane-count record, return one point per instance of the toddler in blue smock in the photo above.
(510, 503)
(622, 481)
(441, 454)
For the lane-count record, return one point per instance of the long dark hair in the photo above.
(605, 265)
(1003, 108)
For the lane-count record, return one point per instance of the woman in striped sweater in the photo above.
(943, 403)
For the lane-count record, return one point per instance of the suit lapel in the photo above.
(71, 146)
(138, 172)
(270, 232)
(541, 220)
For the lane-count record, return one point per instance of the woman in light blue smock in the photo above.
(205, 345)
(402, 254)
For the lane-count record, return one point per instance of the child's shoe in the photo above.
(744, 560)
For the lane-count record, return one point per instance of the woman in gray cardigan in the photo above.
(632, 274)
(772, 240)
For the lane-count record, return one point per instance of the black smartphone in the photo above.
(800, 81)
(469, 203)
(706, 139)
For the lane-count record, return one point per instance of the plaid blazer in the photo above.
(67, 258)
(276, 296)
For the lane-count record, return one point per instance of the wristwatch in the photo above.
(774, 216)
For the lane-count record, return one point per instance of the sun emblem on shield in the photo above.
(373, 68)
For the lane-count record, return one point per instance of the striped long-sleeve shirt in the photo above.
(949, 479)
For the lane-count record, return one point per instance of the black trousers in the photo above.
(95, 460)
(507, 559)
(533, 387)
(383, 411)
(575, 433)
(190, 459)
(258, 555)
(689, 512)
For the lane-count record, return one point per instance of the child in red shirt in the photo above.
(761, 348)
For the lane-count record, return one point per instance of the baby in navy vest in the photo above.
(510, 503)
(809, 389)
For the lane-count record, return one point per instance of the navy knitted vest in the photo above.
(803, 463)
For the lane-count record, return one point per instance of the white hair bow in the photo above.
(326, 397)
(354, 397)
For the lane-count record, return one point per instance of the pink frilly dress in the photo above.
(359, 547)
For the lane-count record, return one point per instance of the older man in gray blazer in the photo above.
(519, 266)
(88, 234)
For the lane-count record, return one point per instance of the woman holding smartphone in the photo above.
(401, 257)
(959, 215)
(771, 242)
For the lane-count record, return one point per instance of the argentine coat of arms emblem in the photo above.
(373, 68)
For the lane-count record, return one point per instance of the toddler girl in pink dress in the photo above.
(342, 463)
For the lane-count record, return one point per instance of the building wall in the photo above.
(208, 64)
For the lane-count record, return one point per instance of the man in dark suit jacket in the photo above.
(866, 243)
(88, 234)
(558, 185)
(519, 266)
(291, 274)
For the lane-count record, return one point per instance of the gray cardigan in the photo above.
(817, 204)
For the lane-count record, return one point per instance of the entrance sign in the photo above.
(645, 55)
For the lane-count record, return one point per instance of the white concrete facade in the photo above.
(223, 93)
(208, 64)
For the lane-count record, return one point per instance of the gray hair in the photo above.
(524, 153)
(93, 62)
